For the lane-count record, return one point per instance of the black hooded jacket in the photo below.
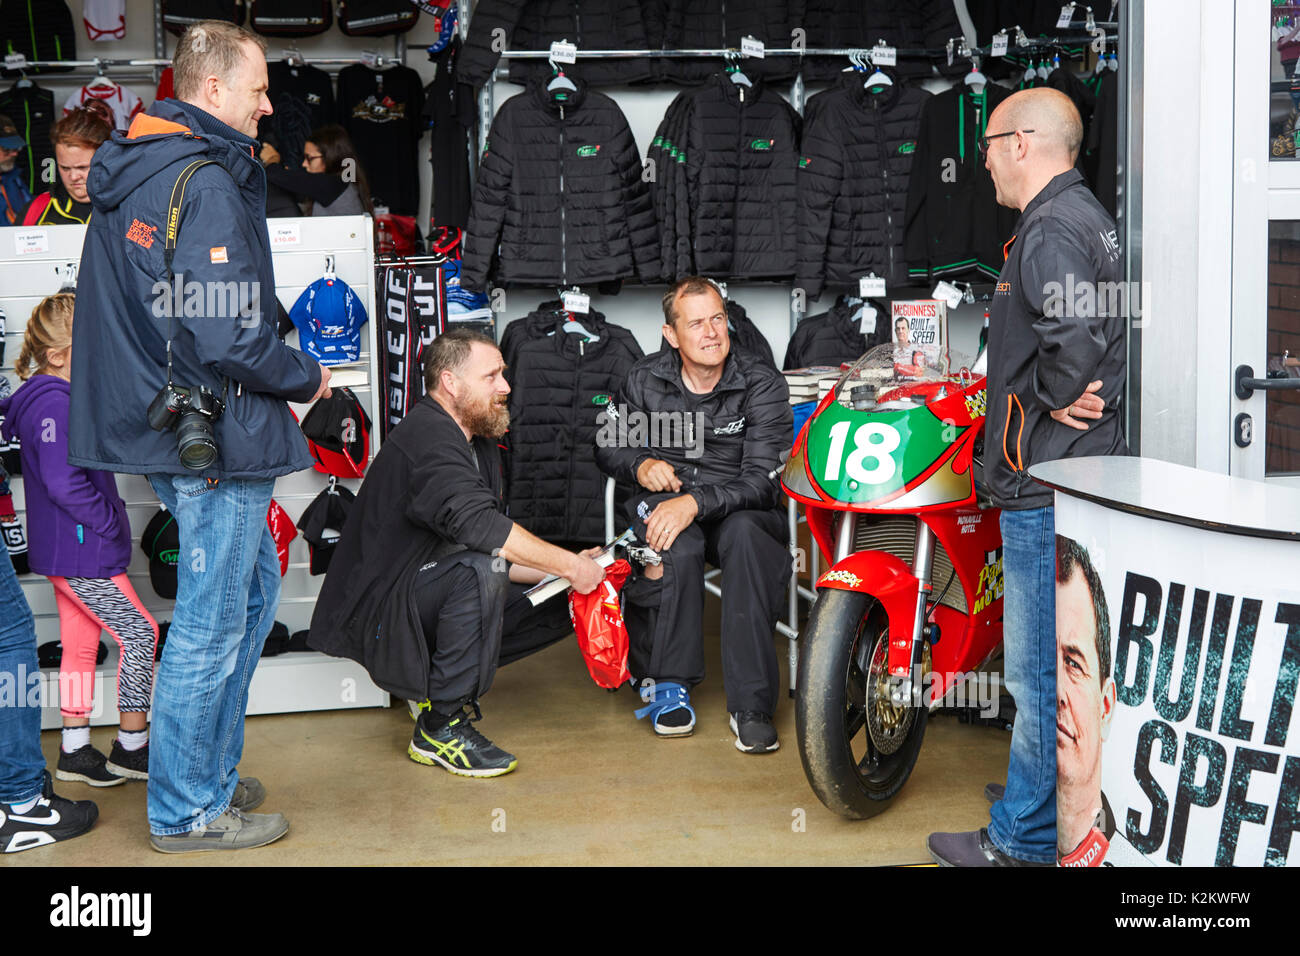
(560, 198)
(835, 336)
(853, 184)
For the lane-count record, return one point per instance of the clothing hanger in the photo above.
(292, 56)
(571, 324)
(975, 78)
(23, 81)
(559, 82)
(735, 72)
(879, 78)
(101, 82)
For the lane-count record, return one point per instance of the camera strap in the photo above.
(169, 249)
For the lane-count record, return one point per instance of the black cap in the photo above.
(338, 434)
(322, 524)
(161, 544)
(277, 641)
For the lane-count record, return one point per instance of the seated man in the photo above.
(416, 588)
(699, 430)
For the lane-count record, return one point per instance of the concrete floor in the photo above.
(593, 786)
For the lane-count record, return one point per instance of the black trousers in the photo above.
(472, 629)
(665, 617)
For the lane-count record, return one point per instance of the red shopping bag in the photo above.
(598, 623)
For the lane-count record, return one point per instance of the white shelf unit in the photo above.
(285, 683)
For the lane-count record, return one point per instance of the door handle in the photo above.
(1244, 384)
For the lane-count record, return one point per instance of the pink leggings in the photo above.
(87, 606)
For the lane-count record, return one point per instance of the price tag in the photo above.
(562, 51)
(871, 287)
(949, 293)
(31, 241)
(999, 47)
(577, 302)
(868, 320)
(285, 234)
(15, 61)
(950, 53)
(749, 46)
(884, 56)
(370, 58)
(1067, 14)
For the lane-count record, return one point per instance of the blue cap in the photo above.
(329, 316)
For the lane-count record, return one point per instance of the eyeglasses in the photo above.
(983, 141)
(311, 158)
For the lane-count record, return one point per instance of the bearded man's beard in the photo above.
(489, 418)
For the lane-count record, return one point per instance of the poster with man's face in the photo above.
(1178, 662)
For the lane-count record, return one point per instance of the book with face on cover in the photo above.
(919, 332)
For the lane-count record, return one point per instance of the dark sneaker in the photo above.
(87, 765)
(133, 764)
(993, 792)
(51, 820)
(458, 747)
(249, 794)
(754, 732)
(973, 848)
(669, 705)
(233, 830)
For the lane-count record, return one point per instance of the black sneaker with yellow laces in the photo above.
(451, 742)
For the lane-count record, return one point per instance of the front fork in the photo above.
(912, 646)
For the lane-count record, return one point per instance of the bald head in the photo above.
(1051, 115)
(1022, 165)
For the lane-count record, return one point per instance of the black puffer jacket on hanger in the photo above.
(561, 384)
(536, 24)
(559, 198)
(720, 25)
(858, 24)
(736, 202)
(853, 178)
(836, 336)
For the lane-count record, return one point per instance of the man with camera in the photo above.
(178, 375)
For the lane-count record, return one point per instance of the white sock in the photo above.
(133, 739)
(74, 738)
(21, 808)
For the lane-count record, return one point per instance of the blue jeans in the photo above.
(228, 586)
(22, 766)
(1024, 820)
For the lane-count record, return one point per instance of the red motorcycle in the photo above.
(912, 603)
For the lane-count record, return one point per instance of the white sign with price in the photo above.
(1067, 14)
(949, 293)
(562, 51)
(577, 302)
(749, 46)
(868, 323)
(871, 286)
(999, 47)
(29, 242)
(15, 61)
(884, 56)
(285, 234)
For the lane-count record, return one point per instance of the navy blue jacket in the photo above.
(226, 326)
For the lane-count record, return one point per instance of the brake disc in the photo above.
(888, 724)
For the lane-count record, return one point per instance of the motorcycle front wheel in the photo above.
(856, 745)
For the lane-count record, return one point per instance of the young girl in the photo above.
(80, 539)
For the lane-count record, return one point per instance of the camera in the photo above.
(191, 412)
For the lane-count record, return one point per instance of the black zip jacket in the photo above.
(857, 24)
(559, 198)
(1056, 324)
(853, 182)
(536, 24)
(836, 336)
(955, 227)
(745, 424)
(423, 498)
(561, 384)
(720, 25)
(39, 30)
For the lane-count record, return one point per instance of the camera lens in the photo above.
(198, 446)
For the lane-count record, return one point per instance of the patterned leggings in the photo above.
(87, 606)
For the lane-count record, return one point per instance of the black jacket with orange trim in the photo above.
(1056, 324)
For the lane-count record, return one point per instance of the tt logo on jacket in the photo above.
(587, 152)
(908, 147)
(762, 145)
(732, 428)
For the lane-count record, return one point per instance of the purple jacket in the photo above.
(76, 520)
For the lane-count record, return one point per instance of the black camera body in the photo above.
(191, 413)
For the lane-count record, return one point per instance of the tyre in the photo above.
(856, 746)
